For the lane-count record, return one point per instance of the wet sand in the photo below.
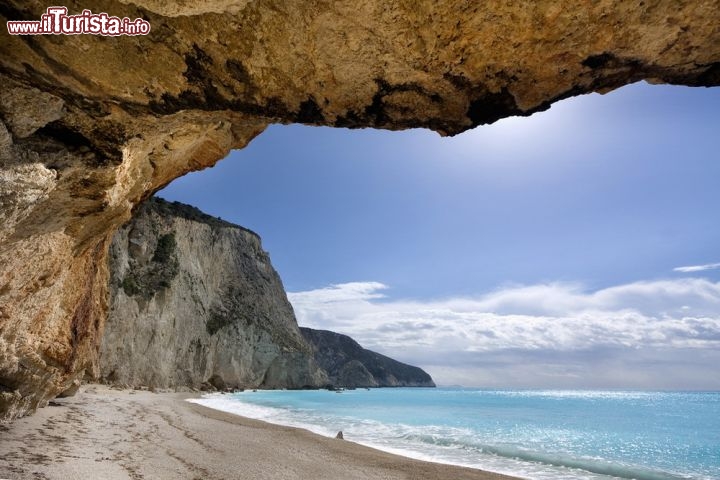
(103, 433)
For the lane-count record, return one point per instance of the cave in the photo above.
(93, 125)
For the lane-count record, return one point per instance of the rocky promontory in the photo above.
(349, 365)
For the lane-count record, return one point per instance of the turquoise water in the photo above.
(527, 433)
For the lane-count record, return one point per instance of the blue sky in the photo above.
(601, 197)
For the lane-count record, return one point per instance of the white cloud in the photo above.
(697, 268)
(353, 291)
(523, 322)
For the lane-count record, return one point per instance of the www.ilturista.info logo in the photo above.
(56, 21)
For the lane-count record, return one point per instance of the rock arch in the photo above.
(92, 125)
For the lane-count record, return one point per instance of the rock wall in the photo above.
(195, 301)
(349, 365)
(90, 126)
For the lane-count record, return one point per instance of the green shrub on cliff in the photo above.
(146, 279)
(165, 250)
(130, 286)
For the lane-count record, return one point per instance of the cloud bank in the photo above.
(658, 334)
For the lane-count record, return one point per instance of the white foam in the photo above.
(440, 444)
(274, 415)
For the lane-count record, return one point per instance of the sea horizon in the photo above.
(580, 389)
(589, 434)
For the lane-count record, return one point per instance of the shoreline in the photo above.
(131, 434)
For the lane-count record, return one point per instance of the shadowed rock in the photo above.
(349, 365)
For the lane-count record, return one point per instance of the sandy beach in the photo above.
(103, 433)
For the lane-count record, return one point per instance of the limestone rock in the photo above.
(72, 390)
(349, 365)
(195, 302)
(100, 123)
(26, 110)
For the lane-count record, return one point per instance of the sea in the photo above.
(534, 434)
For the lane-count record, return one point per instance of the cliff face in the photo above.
(350, 365)
(195, 300)
(90, 126)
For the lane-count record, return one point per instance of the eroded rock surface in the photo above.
(195, 302)
(90, 126)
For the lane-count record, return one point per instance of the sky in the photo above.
(576, 248)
